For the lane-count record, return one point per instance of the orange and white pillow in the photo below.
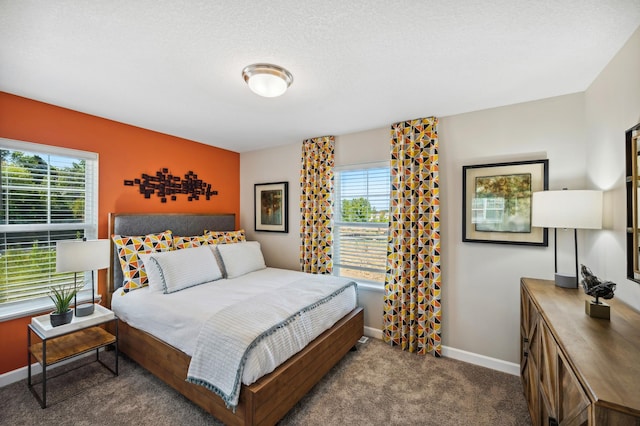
(225, 237)
(130, 247)
(180, 243)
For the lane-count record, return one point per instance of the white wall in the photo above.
(581, 134)
(613, 106)
(481, 282)
(283, 164)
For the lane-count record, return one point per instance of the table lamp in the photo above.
(81, 256)
(577, 209)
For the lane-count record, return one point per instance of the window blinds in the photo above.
(45, 197)
(362, 221)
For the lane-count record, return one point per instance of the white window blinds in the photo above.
(362, 222)
(47, 194)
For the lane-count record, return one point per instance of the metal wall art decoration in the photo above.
(167, 186)
(496, 202)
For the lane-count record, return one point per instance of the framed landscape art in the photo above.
(270, 201)
(496, 202)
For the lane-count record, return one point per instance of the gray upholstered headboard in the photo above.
(183, 224)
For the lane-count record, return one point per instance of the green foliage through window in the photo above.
(43, 200)
(361, 225)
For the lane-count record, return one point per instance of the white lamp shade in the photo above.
(579, 209)
(81, 256)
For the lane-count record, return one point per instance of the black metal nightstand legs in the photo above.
(64, 347)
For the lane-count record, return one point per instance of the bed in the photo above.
(268, 399)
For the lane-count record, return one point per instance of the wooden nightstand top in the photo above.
(42, 324)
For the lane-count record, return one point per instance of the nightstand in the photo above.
(57, 344)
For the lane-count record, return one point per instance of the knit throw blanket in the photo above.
(281, 317)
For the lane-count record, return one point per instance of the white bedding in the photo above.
(177, 318)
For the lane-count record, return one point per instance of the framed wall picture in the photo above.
(270, 201)
(496, 202)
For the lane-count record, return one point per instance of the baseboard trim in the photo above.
(373, 332)
(481, 360)
(460, 355)
(21, 373)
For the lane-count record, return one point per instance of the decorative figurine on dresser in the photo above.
(596, 288)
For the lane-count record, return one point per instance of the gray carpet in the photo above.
(377, 385)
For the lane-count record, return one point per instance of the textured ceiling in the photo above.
(175, 66)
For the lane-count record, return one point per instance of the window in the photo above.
(362, 221)
(487, 210)
(47, 194)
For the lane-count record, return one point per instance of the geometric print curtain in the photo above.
(316, 205)
(412, 310)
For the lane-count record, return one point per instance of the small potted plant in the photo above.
(62, 297)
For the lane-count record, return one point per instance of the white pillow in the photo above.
(241, 258)
(176, 270)
(154, 275)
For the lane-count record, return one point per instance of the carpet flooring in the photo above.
(376, 385)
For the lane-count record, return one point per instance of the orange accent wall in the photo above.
(125, 152)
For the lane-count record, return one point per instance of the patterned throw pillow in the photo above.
(180, 243)
(129, 248)
(225, 237)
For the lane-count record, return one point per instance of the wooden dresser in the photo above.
(578, 370)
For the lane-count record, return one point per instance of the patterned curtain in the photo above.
(412, 282)
(316, 205)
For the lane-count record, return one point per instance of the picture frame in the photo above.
(496, 202)
(271, 207)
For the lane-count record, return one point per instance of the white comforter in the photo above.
(286, 321)
(177, 318)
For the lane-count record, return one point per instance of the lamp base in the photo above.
(566, 281)
(600, 310)
(84, 310)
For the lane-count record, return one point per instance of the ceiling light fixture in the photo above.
(267, 80)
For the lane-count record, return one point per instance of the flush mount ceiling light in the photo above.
(267, 80)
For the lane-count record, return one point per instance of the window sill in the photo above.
(33, 307)
(370, 286)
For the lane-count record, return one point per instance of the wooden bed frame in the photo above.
(264, 402)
